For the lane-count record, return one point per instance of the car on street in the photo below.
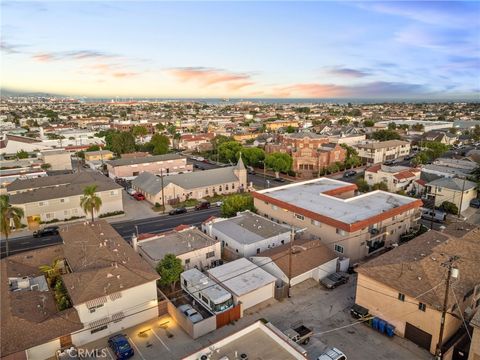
(389, 162)
(475, 203)
(176, 211)
(47, 231)
(279, 179)
(120, 347)
(349, 173)
(202, 205)
(190, 313)
(409, 157)
(131, 191)
(139, 196)
(332, 354)
(334, 280)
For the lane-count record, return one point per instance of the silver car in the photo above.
(190, 313)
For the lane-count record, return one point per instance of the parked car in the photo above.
(475, 203)
(389, 162)
(120, 347)
(433, 215)
(409, 157)
(332, 354)
(334, 280)
(139, 196)
(218, 203)
(250, 170)
(130, 191)
(202, 205)
(279, 179)
(47, 231)
(299, 334)
(177, 211)
(349, 173)
(190, 313)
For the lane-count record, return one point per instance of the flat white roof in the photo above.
(241, 276)
(201, 282)
(309, 195)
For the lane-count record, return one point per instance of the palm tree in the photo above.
(51, 271)
(9, 214)
(90, 201)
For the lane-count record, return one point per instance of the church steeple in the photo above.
(240, 164)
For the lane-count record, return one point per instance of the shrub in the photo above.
(449, 207)
(113, 213)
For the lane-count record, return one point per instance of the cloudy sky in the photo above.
(390, 50)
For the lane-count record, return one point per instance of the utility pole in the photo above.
(449, 263)
(292, 237)
(461, 198)
(163, 195)
(432, 216)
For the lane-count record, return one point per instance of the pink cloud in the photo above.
(43, 57)
(209, 76)
(124, 74)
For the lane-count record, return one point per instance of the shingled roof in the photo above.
(416, 267)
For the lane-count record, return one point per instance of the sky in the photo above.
(316, 49)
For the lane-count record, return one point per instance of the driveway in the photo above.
(135, 209)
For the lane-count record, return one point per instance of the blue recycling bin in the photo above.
(390, 330)
(375, 323)
(381, 326)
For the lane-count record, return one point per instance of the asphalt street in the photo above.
(125, 228)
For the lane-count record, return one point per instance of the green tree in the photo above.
(227, 151)
(368, 123)
(171, 129)
(435, 149)
(290, 129)
(22, 154)
(90, 201)
(46, 166)
(10, 215)
(253, 156)
(449, 207)
(122, 142)
(93, 148)
(51, 272)
(418, 127)
(384, 135)
(343, 122)
(169, 269)
(380, 186)
(81, 154)
(332, 168)
(236, 203)
(362, 185)
(279, 162)
(421, 158)
(392, 126)
(159, 144)
(160, 127)
(139, 131)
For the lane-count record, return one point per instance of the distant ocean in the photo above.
(217, 101)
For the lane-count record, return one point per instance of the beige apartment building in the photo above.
(474, 353)
(397, 178)
(194, 185)
(58, 197)
(406, 286)
(58, 159)
(380, 151)
(454, 190)
(353, 226)
(130, 168)
(100, 155)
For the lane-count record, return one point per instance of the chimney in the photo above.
(135, 242)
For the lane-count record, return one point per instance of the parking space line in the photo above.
(136, 347)
(109, 354)
(158, 337)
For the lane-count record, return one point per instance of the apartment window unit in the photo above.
(113, 192)
(233, 186)
(226, 187)
(49, 215)
(187, 261)
(338, 248)
(299, 217)
(401, 297)
(316, 223)
(341, 232)
(64, 200)
(210, 254)
(422, 306)
(42, 203)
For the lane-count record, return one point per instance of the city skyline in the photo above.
(391, 50)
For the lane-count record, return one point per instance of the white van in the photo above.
(434, 215)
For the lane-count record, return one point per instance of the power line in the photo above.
(461, 314)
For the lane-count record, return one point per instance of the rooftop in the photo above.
(382, 144)
(175, 242)
(241, 276)
(101, 261)
(201, 282)
(248, 228)
(257, 341)
(416, 267)
(314, 198)
(144, 160)
(306, 255)
(57, 186)
(455, 184)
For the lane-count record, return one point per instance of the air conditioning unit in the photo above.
(34, 287)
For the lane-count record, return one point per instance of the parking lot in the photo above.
(325, 312)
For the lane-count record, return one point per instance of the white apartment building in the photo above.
(352, 226)
(380, 151)
(397, 178)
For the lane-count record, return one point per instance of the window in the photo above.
(401, 297)
(185, 282)
(299, 217)
(226, 187)
(339, 248)
(93, 331)
(316, 223)
(135, 173)
(233, 186)
(258, 251)
(113, 192)
(422, 306)
(187, 261)
(62, 200)
(210, 254)
(42, 203)
(340, 232)
(283, 242)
